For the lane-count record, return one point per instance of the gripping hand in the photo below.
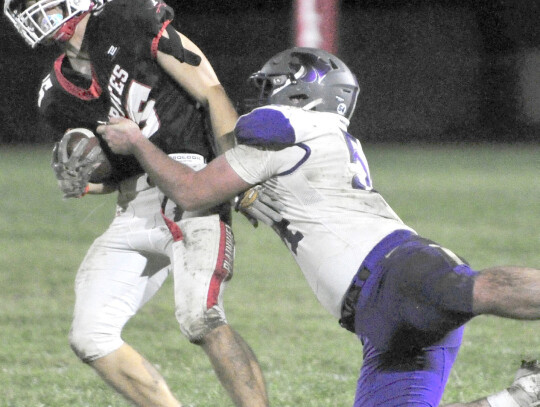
(260, 204)
(73, 170)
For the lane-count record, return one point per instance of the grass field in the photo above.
(480, 201)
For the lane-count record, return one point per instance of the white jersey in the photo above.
(333, 217)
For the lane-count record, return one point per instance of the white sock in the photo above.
(502, 399)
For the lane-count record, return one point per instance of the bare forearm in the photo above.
(223, 117)
(102, 189)
(124, 137)
(191, 190)
(173, 178)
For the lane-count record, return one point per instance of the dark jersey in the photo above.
(122, 40)
(67, 99)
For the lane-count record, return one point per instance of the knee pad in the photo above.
(202, 265)
(196, 327)
(91, 344)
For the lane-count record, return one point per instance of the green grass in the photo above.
(480, 201)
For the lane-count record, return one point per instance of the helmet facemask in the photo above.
(44, 18)
(267, 85)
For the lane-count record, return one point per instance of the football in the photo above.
(104, 170)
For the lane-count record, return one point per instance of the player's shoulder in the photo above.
(135, 11)
(284, 114)
(265, 126)
(282, 126)
(51, 90)
(130, 25)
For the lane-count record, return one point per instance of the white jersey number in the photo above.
(141, 110)
(46, 84)
(138, 106)
(362, 178)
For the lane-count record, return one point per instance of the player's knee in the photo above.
(91, 344)
(195, 326)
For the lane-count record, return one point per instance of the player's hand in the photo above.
(73, 186)
(72, 171)
(121, 134)
(260, 204)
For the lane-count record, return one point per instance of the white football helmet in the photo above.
(35, 22)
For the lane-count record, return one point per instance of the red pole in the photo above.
(317, 24)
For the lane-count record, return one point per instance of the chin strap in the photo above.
(173, 46)
(312, 104)
(67, 30)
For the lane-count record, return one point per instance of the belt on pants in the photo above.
(348, 308)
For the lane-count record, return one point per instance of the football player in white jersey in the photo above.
(406, 297)
(124, 57)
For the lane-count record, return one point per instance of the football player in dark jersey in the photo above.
(124, 58)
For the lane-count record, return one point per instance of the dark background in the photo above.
(430, 71)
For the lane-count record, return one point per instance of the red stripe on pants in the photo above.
(223, 265)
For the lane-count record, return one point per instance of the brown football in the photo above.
(101, 173)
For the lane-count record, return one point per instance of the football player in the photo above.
(125, 59)
(407, 298)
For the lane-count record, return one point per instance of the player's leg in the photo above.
(522, 393)
(110, 287)
(414, 298)
(388, 380)
(236, 366)
(135, 378)
(419, 380)
(510, 292)
(504, 291)
(202, 265)
(399, 379)
(414, 293)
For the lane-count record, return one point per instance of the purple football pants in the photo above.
(418, 382)
(415, 298)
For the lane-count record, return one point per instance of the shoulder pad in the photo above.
(265, 127)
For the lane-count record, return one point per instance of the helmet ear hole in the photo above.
(298, 100)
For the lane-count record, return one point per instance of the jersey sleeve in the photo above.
(255, 164)
(133, 24)
(265, 127)
(278, 126)
(151, 20)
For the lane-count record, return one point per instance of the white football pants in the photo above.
(127, 265)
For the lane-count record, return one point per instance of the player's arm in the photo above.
(101, 189)
(190, 189)
(203, 84)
